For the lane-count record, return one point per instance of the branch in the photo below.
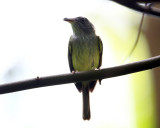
(147, 1)
(133, 4)
(81, 76)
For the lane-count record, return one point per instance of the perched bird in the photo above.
(84, 53)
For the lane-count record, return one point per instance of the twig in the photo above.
(137, 39)
(81, 76)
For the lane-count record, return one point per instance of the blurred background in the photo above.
(34, 42)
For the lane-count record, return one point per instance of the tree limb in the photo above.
(133, 4)
(81, 76)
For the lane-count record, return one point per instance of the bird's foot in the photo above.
(73, 72)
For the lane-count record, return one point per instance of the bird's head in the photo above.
(81, 25)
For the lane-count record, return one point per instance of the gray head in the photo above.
(81, 25)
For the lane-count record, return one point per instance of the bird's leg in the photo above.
(73, 72)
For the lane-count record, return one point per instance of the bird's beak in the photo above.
(70, 20)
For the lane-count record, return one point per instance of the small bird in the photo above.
(84, 53)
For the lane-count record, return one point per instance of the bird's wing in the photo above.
(79, 84)
(70, 55)
(100, 45)
(92, 84)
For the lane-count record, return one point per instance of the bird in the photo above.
(84, 53)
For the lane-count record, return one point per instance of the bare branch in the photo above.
(133, 4)
(81, 76)
(137, 39)
(147, 1)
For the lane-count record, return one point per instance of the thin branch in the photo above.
(133, 4)
(81, 76)
(137, 39)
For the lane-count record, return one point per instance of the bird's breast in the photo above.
(85, 53)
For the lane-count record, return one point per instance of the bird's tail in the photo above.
(86, 105)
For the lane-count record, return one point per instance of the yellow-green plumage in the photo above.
(84, 53)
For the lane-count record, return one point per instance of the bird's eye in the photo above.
(83, 21)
